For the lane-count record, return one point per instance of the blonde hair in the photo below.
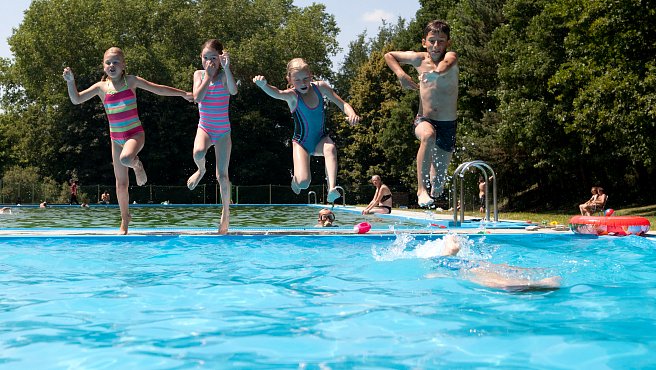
(295, 65)
(114, 50)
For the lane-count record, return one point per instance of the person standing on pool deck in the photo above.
(213, 86)
(117, 90)
(305, 100)
(73, 197)
(435, 124)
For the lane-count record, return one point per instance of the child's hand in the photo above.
(189, 97)
(212, 69)
(260, 81)
(352, 119)
(407, 82)
(68, 74)
(224, 59)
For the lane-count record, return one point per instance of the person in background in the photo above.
(305, 99)
(326, 218)
(481, 192)
(117, 91)
(213, 86)
(597, 201)
(104, 198)
(382, 201)
(73, 197)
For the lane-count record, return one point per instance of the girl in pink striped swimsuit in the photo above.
(117, 92)
(213, 86)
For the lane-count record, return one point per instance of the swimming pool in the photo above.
(191, 216)
(243, 218)
(373, 301)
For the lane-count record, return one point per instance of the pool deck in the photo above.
(435, 224)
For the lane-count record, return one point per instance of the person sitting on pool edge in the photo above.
(497, 276)
(326, 218)
(382, 202)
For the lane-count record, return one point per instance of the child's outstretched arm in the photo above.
(161, 89)
(329, 93)
(394, 59)
(274, 92)
(78, 97)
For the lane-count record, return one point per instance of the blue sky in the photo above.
(352, 16)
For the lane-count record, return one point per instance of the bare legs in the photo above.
(222, 150)
(201, 144)
(123, 158)
(432, 165)
(302, 177)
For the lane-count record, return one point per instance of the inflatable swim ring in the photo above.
(618, 225)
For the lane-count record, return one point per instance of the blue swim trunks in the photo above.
(445, 132)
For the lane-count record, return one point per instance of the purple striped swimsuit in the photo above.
(213, 111)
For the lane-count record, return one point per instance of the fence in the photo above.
(203, 194)
(153, 194)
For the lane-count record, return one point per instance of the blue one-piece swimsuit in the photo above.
(309, 123)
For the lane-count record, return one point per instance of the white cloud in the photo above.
(376, 15)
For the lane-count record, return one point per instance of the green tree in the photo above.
(161, 40)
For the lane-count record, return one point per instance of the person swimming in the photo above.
(491, 275)
(326, 218)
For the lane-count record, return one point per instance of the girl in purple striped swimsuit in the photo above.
(213, 86)
(117, 90)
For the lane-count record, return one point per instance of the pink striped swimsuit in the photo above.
(122, 114)
(213, 111)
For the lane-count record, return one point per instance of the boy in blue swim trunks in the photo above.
(435, 124)
(305, 99)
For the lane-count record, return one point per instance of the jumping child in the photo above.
(305, 100)
(213, 86)
(117, 90)
(435, 124)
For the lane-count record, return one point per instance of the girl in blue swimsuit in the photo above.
(305, 100)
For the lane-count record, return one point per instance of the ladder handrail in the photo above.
(312, 192)
(459, 173)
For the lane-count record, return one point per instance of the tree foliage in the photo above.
(556, 95)
(161, 40)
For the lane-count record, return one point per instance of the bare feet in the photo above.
(295, 188)
(424, 200)
(333, 195)
(225, 221)
(194, 179)
(123, 230)
(140, 173)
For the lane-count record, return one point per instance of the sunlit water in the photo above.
(340, 302)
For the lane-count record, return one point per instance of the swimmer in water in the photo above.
(492, 275)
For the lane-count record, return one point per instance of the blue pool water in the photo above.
(190, 302)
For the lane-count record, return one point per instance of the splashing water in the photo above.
(405, 246)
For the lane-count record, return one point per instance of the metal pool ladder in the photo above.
(338, 188)
(310, 194)
(459, 174)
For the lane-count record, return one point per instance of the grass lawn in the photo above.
(562, 217)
